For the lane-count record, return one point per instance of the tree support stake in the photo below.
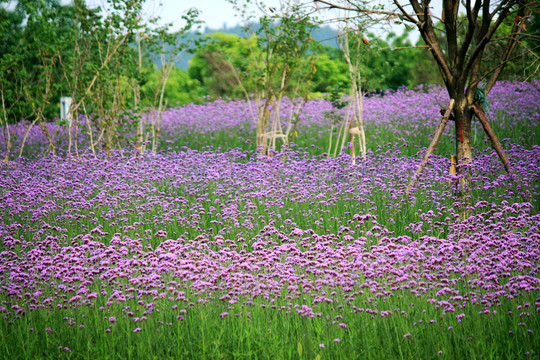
(432, 146)
(479, 112)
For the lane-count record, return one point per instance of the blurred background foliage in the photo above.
(26, 46)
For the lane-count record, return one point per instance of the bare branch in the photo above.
(391, 48)
(358, 9)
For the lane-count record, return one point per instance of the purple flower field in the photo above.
(405, 117)
(130, 246)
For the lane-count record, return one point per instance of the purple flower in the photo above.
(223, 315)
(337, 340)
(112, 319)
(321, 345)
(137, 330)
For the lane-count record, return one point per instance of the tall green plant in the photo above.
(104, 87)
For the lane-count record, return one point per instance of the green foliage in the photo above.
(277, 57)
(331, 71)
(180, 89)
(35, 33)
(425, 70)
(53, 50)
(224, 62)
(388, 64)
(524, 57)
(385, 64)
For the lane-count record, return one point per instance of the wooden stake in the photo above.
(477, 109)
(453, 169)
(432, 146)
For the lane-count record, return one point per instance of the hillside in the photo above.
(325, 35)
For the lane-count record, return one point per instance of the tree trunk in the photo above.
(463, 121)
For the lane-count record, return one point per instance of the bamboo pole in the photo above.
(477, 109)
(432, 146)
(351, 139)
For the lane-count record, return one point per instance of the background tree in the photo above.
(389, 63)
(31, 38)
(30, 69)
(460, 65)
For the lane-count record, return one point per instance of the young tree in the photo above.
(460, 64)
(285, 66)
(170, 46)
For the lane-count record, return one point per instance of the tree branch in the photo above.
(512, 42)
(427, 31)
(450, 12)
(406, 15)
(472, 16)
(485, 36)
(515, 57)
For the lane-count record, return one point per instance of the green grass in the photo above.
(252, 332)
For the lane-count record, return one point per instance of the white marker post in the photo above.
(65, 105)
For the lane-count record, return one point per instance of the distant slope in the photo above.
(325, 35)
